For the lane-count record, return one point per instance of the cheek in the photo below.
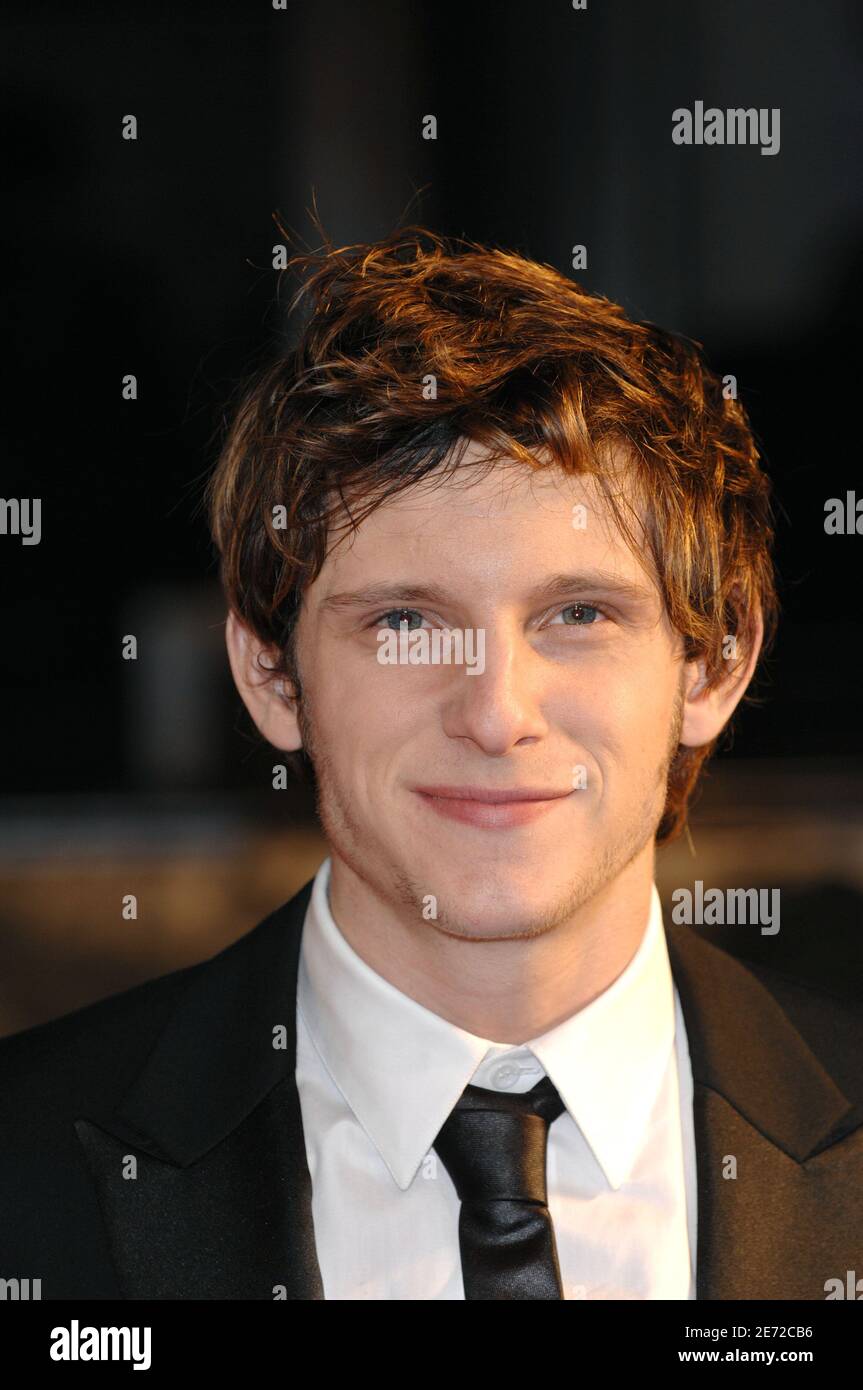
(624, 718)
(357, 726)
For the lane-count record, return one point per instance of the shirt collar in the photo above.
(401, 1068)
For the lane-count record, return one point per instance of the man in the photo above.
(497, 568)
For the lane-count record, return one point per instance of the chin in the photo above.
(496, 909)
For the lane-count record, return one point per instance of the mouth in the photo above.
(490, 808)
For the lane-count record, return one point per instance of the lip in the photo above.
(490, 808)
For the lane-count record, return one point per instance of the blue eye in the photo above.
(402, 618)
(585, 614)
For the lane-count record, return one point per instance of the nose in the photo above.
(501, 708)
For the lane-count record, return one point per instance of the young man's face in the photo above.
(579, 702)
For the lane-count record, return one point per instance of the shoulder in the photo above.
(812, 977)
(86, 1056)
(830, 1023)
(87, 1059)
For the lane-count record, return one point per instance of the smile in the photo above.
(490, 809)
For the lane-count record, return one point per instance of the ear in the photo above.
(706, 712)
(270, 701)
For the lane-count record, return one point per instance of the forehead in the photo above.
(492, 525)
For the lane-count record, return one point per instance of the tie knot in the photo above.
(542, 1100)
(493, 1144)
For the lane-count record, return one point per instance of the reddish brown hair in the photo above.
(527, 363)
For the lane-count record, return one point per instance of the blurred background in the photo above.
(154, 257)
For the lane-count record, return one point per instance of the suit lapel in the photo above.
(765, 1109)
(201, 1171)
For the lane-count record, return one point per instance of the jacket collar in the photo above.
(744, 1047)
(219, 1055)
(769, 1223)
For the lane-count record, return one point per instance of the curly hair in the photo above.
(416, 344)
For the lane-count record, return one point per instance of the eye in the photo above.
(582, 615)
(398, 618)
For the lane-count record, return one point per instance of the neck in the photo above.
(506, 991)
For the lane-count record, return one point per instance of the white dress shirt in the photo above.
(378, 1074)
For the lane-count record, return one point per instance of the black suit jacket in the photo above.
(181, 1076)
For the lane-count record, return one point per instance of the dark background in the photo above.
(154, 257)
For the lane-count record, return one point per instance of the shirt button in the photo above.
(504, 1075)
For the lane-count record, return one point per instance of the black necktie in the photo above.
(493, 1146)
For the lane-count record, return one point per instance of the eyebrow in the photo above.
(558, 585)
